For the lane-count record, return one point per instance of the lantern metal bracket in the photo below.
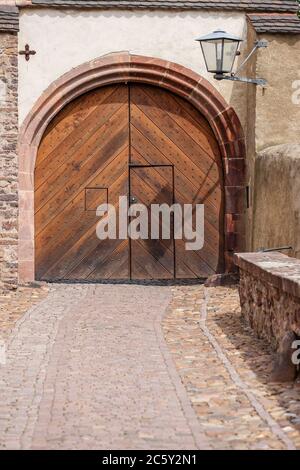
(233, 77)
(255, 81)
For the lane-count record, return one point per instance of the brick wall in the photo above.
(8, 160)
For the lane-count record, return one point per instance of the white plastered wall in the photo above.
(64, 39)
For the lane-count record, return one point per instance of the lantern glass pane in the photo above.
(212, 51)
(230, 50)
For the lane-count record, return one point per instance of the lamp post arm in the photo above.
(258, 45)
(255, 81)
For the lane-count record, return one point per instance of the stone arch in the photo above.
(120, 68)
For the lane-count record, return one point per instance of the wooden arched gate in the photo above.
(125, 140)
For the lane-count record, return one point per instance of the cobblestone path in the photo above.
(141, 367)
(88, 368)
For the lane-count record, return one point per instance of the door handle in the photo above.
(133, 200)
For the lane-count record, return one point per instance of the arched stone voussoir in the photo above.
(123, 67)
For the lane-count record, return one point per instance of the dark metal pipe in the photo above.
(268, 250)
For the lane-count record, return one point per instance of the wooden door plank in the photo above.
(121, 271)
(186, 193)
(162, 251)
(152, 266)
(97, 150)
(78, 138)
(176, 156)
(197, 129)
(199, 121)
(183, 185)
(56, 205)
(158, 180)
(204, 161)
(195, 260)
(107, 268)
(140, 272)
(69, 119)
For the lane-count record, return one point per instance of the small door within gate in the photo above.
(153, 258)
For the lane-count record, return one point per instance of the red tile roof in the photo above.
(275, 23)
(9, 18)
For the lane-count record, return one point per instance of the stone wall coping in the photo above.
(273, 268)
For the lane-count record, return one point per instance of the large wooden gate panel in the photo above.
(166, 130)
(91, 154)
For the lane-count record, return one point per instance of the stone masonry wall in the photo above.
(8, 160)
(268, 311)
(270, 294)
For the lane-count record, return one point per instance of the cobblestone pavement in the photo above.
(88, 368)
(225, 370)
(15, 303)
(141, 367)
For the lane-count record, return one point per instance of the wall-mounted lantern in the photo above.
(220, 50)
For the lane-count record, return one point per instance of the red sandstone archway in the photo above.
(123, 68)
